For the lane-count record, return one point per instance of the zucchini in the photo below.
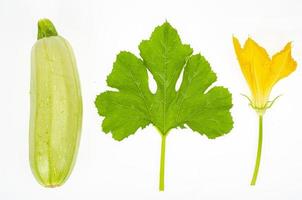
(55, 107)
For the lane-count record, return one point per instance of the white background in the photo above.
(196, 168)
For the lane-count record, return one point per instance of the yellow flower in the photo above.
(262, 72)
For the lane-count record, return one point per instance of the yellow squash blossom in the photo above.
(262, 73)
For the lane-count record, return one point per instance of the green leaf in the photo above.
(193, 105)
(128, 109)
(133, 106)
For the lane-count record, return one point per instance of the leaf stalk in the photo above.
(162, 163)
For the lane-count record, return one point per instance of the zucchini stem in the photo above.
(46, 29)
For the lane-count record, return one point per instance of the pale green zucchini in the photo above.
(55, 107)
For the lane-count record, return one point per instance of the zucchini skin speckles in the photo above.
(55, 108)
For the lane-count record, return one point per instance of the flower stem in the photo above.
(257, 164)
(162, 163)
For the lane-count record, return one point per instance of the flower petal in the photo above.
(244, 64)
(255, 65)
(282, 64)
(260, 66)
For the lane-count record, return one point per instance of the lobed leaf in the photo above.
(133, 106)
